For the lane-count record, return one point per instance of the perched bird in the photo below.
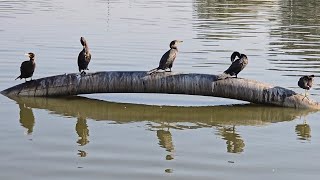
(168, 58)
(84, 57)
(305, 82)
(27, 67)
(237, 65)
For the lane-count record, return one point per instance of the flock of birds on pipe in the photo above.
(237, 65)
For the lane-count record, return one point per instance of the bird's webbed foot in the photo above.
(83, 73)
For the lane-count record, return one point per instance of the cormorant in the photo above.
(27, 67)
(168, 58)
(84, 57)
(305, 82)
(237, 65)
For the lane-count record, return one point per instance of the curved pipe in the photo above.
(168, 82)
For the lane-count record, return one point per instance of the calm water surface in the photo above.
(149, 136)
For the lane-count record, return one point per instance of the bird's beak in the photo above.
(26, 54)
(180, 41)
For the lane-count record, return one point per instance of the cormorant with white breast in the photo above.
(168, 58)
(84, 57)
(305, 82)
(27, 67)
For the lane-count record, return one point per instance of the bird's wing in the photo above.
(237, 66)
(234, 67)
(301, 83)
(24, 65)
(163, 60)
(27, 67)
(81, 56)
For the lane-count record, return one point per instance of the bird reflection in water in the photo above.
(82, 153)
(26, 118)
(303, 131)
(233, 140)
(165, 141)
(83, 134)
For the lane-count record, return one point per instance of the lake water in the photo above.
(152, 136)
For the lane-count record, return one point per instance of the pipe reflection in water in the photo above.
(303, 131)
(233, 140)
(219, 117)
(26, 118)
(207, 116)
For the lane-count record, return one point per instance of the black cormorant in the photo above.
(168, 58)
(305, 82)
(237, 65)
(84, 57)
(27, 67)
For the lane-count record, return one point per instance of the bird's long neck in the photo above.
(234, 55)
(86, 49)
(174, 47)
(32, 60)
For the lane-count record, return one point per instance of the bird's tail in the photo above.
(152, 71)
(223, 76)
(18, 77)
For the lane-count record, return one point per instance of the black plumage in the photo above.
(84, 57)
(237, 65)
(306, 82)
(27, 67)
(168, 58)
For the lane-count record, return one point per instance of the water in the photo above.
(148, 136)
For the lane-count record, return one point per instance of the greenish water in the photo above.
(151, 136)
